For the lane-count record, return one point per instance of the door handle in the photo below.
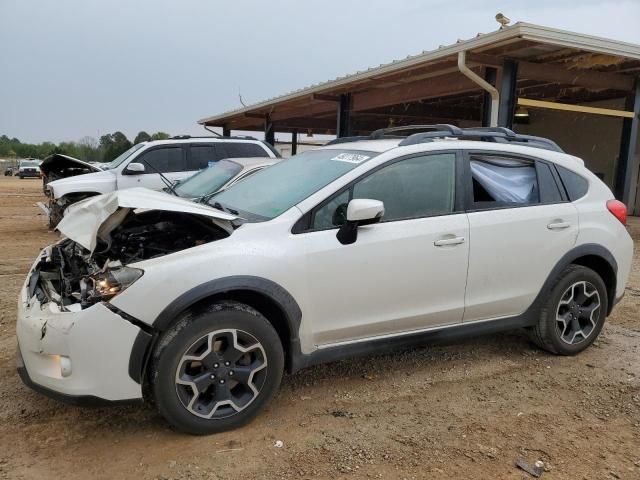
(449, 241)
(558, 225)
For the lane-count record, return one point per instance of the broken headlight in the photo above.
(109, 283)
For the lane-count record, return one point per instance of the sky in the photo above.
(75, 68)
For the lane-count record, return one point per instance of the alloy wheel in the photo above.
(577, 312)
(221, 373)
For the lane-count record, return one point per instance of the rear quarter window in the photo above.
(241, 150)
(574, 184)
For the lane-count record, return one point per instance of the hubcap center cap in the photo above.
(222, 371)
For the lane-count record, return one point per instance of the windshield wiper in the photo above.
(166, 181)
(219, 206)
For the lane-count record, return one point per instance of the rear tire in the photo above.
(574, 313)
(216, 369)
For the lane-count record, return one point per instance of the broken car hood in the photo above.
(96, 217)
(60, 162)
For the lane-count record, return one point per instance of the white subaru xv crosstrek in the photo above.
(363, 245)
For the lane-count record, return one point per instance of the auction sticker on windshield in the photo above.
(350, 157)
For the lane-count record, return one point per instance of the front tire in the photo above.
(216, 368)
(574, 313)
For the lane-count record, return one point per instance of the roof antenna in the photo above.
(240, 97)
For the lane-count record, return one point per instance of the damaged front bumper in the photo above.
(80, 356)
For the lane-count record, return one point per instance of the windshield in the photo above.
(29, 163)
(208, 180)
(122, 157)
(276, 189)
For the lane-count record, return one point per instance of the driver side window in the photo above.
(412, 188)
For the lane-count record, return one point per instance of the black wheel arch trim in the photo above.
(586, 249)
(145, 340)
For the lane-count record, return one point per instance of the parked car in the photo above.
(68, 180)
(29, 168)
(219, 176)
(363, 245)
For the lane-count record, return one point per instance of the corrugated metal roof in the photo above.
(524, 31)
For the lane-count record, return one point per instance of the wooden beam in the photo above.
(584, 78)
(484, 59)
(254, 115)
(306, 123)
(303, 111)
(443, 85)
(527, 102)
(427, 110)
(325, 98)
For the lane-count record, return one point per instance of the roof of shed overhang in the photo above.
(428, 87)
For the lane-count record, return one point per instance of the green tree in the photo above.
(142, 137)
(160, 136)
(113, 144)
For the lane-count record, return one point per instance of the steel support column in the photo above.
(269, 132)
(490, 75)
(226, 131)
(508, 95)
(344, 116)
(626, 182)
(294, 141)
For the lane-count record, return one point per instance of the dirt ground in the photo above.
(464, 410)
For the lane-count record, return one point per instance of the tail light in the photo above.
(618, 209)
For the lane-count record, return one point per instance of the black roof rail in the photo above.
(444, 130)
(382, 132)
(232, 137)
(347, 139)
(486, 134)
(507, 131)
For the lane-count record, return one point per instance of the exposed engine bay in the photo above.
(69, 274)
(59, 166)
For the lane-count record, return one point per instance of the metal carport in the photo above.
(569, 83)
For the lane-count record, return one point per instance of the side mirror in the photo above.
(135, 168)
(360, 211)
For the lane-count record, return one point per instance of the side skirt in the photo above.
(438, 335)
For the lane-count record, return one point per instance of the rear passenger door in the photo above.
(520, 224)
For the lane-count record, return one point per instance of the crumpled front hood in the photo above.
(59, 162)
(97, 216)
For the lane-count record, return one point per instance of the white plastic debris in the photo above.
(278, 444)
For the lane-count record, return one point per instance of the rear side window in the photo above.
(240, 150)
(499, 181)
(200, 156)
(549, 190)
(575, 185)
(163, 160)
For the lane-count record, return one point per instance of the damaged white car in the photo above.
(67, 180)
(362, 245)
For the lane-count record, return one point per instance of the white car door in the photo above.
(170, 160)
(520, 225)
(407, 272)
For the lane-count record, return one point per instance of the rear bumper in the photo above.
(79, 356)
